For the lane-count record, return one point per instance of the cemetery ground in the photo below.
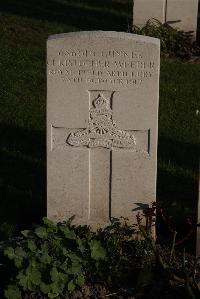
(24, 29)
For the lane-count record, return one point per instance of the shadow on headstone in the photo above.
(173, 22)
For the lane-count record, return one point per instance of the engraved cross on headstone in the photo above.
(101, 137)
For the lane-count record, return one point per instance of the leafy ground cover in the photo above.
(120, 261)
(173, 41)
(24, 28)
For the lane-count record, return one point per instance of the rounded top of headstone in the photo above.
(106, 34)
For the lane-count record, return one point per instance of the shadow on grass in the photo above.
(84, 15)
(177, 189)
(179, 183)
(22, 176)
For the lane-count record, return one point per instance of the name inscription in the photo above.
(116, 67)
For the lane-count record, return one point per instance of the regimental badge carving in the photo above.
(102, 130)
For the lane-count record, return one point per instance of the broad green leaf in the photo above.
(23, 280)
(25, 233)
(51, 227)
(53, 295)
(12, 292)
(47, 222)
(45, 258)
(45, 246)
(71, 286)
(76, 267)
(54, 274)
(17, 255)
(68, 233)
(97, 250)
(65, 251)
(59, 281)
(33, 263)
(45, 288)
(18, 262)
(35, 276)
(74, 257)
(19, 252)
(80, 280)
(41, 232)
(65, 267)
(29, 279)
(32, 245)
(80, 245)
(9, 252)
(64, 279)
(55, 288)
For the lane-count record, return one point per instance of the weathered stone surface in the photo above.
(182, 14)
(102, 115)
(143, 10)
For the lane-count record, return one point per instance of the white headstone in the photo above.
(102, 124)
(143, 10)
(182, 14)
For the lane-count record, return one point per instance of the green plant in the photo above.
(162, 271)
(119, 241)
(57, 259)
(172, 40)
(52, 259)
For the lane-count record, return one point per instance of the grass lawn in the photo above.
(24, 28)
